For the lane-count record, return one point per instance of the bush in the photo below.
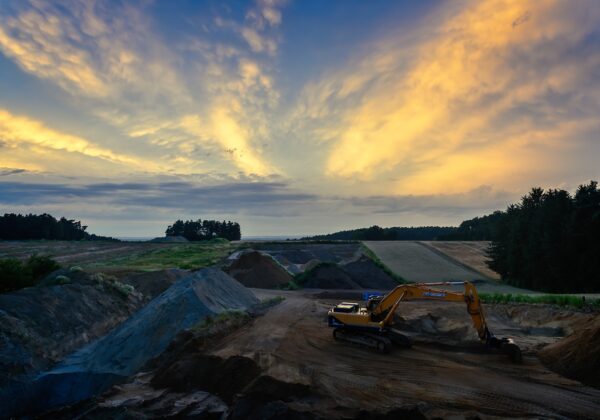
(15, 275)
(40, 266)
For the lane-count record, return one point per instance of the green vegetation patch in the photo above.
(559, 300)
(191, 256)
(15, 274)
(222, 321)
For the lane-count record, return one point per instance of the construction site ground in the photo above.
(283, 360)
(446, 370)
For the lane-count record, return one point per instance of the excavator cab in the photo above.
(346, 307)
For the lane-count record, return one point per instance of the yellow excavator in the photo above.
(371, 326)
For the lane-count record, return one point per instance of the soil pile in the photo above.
(368, 275)
(153, 283)
(254, 269)
(327, 276)
(578, 355)
(40, 325)
(362, 273)
(127, 348)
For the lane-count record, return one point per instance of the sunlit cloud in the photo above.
(447, 110)
(110, 57)
(17, 131)
(407, 117)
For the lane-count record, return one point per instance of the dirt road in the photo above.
(293, 343)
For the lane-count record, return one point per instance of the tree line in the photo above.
(44, 226)
(376, 233)
(550, 241)
(200, 230)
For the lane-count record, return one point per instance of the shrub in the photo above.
(111, 284)
(40, 266)
(14, 275)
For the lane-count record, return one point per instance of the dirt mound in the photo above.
(223, 377)
(254, 269)
(577, 356)
(153, 283)
(362, 273)
(128, 347)
(368, 275)
(40, 325)
(327, 276)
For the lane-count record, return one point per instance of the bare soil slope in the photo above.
(416, 262)
(255, 269)
(578, 355)
(470, 253)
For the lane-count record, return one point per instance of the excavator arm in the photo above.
(390, 302)
(379, 313)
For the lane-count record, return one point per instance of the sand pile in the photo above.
(254, 269)
(578, 355)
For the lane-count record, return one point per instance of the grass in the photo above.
(187, 256)
(223, 320)
(559, 300)
(369, 253)
(272, 301)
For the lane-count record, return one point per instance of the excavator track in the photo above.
(378, 342)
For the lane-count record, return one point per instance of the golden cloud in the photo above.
(17, 131)
(452, 118)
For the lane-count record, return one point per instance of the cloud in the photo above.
(112, 59)
(17, 131)
(11, 171)
(266, 199)
(496, 87)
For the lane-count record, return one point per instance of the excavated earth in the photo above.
(285, 364)
(281, 361)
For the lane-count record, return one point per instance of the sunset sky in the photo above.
(293, 117)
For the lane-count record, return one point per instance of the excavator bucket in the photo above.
(508, 347)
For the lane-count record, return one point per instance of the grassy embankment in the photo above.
(188, 256)
(558, 300)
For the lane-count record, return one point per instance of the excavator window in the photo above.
(347, 307)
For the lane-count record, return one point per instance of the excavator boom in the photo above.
(371, 325)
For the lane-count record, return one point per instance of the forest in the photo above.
(550, 241)
(201, 230)
(44, 226)
(376, 233)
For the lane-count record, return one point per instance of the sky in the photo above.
(293, 117)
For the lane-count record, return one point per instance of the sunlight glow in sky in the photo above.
(293, 117)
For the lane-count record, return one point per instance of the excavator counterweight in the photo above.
(371, 325)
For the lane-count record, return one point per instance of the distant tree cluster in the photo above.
(550, 241)
(200, 230)
(477, 229)
(376, 233)
(43, 226)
